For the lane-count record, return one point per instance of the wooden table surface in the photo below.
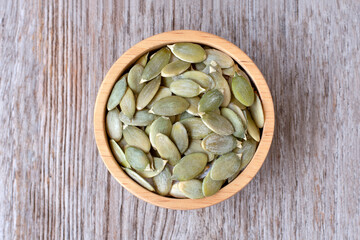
(54, 55)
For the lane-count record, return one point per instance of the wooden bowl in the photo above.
(123, 64)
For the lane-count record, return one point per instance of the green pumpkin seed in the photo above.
(204, 172)
(195, 127)
(188, 52)
(139, 179)
(143, 60)
(174, 68)
(147, 130)
(114, 125)
(127, 104)
(237, 103)
(219, 144)
(185, 115)
(186, 88)
(148, 93)
(230, 179)
(225, 166)
(210, 186)
(162, 182)
(162, 93)
(151, 160)
(235, 121)
(175, 191)
(167, 149)
(166, 81)
(193, 108)
(180, 137)
(161, 125)
(257, 112)
(141, 118)
(195, 147)
(241, 72)
(221, 58)
(216, 66)
(238, 112)
(211, 100)
(137, 138)
(170, 106)
(253, 130)
(223, 86)
(247, 150)
(204, 80)
(118, 154)
(191, 188)
(200, 66)
(137, 159)
(157, 62)
(229, 71)
(117, 93)
(242, 90)
(190, 166)
(159, 165)
(173, 58)
(134, 78)
(217, 123)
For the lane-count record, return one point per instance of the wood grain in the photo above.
(54, 55)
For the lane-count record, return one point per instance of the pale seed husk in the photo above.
(223, 86)
(225, 166)
(219, 144)
(127, 104)
(193, 108)
(195, 127)
(148, 93)
(174, 68)
(185, 115)
(217, 123)
(161, 125)
(162, 93)
(195, 147)
(252, 129)
(191, 188)
(210, 101)
(137, 159)
(166, 81)
(247, 150)
(137, 138)
(139, 179)
(134, 78)
(235, 120)
(242, 90)
(159, 165)
(204, 80)
(113, 124)
(190, 166)
(118, 153)
(141, 118)
(175, 191)
(257, 112)
(167, 149)
(170, 106)
(200, 66)
(156, 64)
(162, 182)
(180, 137)
(221, 58)
(186, 88)
(210, 186)
(143, 60)
(117, 93)
(188, 52)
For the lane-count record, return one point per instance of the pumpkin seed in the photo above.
(193, 108)
(161, 125)
(229, 71)
(122, 143)
(257, 112)
(186, 88)
(200, 66)
(162, 92)
(163, 181)
(185, 115)
(134, 78)
(225, 166)
(204, 80)
(170, 106)
(167, 149)
(210, 101)
(210, 186)
(241, 72)
(148, 93)
(195, 147)
(223, 86)
(137, 138)
(175, 191)
(230, 179)
(114, 125)
(137, 158)
(221, 58)
(141, 118)
(217, 123)
(195, 127)
(166, 81)
(143, 60)
(239, 112)
(118, 153)
(188, 52)
(253, 130)
(190, 166)
(147, 130)
(127, 104)
(235, 121)
(179, 136)
(237, 103)
(174, 68)
(151, 161)
(242, 90)
(247, 150)
(191, 188)
(216, 66)
(157, 62)
(159, 165)
(139, 179)
(117, 93)
(218, 144)
(204, 172)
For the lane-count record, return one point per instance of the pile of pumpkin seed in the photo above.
(184, 121)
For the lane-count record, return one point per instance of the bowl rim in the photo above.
(155, 42)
